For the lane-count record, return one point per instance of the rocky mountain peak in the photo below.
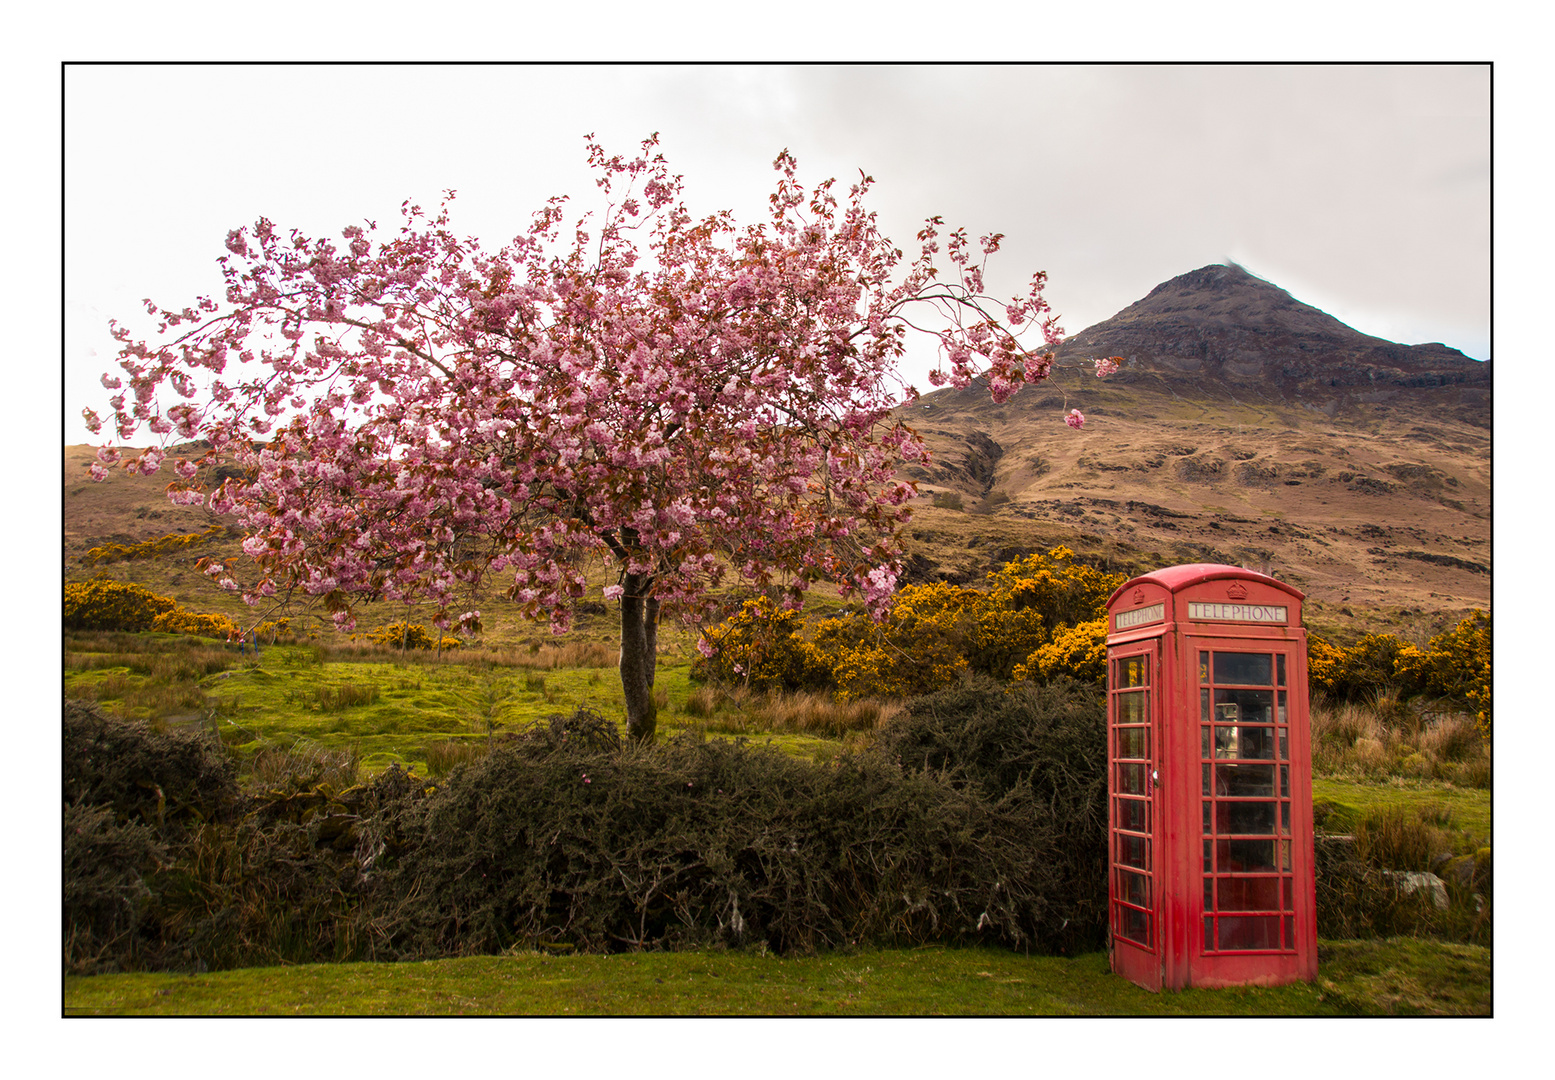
(1220, 330)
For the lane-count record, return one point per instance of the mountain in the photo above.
(1243, 426)
(1219, 330)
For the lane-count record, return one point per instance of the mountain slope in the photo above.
(1244, 427)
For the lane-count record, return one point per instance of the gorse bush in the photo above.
(1076, 652)
(1454, 667)
(152, 549)
(1358, 673)
(921, 647)
(1063, 590)
(179, 621)
(274, 631)
(759, 647)
(932, 635)
(105, 604)
(402, 635)
(971, 826)
(975, 824)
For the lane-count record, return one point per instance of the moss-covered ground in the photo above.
(386, 709)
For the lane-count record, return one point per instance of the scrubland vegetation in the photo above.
(817, 789)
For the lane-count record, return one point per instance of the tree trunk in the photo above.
(651, 635)
(639, 636)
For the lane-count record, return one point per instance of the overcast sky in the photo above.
(1364, 190)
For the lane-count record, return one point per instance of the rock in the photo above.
(1410, 883)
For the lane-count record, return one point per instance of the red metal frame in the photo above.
(1133, 817)
(1228, 835)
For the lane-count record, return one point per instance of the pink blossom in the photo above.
(1107, 366)
(687, 400)
(1075, 419)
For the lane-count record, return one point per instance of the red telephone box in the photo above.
(1209, 781)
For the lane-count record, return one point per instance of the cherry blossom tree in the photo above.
(417, 419)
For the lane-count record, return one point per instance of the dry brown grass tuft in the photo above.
(1392, 738)
(444, 756)
(1452, 737)
(1402, 838)
(742, 711)
(304, 765)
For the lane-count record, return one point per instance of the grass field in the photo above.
(1400, 977)
(1467, 809)
(387, 709)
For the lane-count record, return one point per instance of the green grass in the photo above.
(388, 710)
(1397, 977)
(1468, 808)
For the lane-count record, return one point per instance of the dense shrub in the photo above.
(105, 604)
(172, 780)
(401, 635)
(1045, 742)
(252, 893)
(1455, 667)
(759, 646)
(104, 871)
(167, 865)
(981, 820)
(179, 621)
(932, 635)
(128, 792)
(1076, 652)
